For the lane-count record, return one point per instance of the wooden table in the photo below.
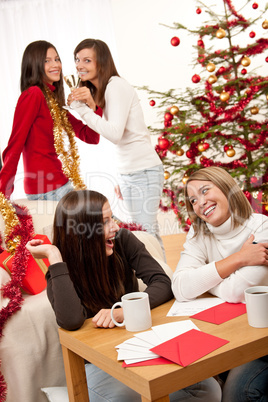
(155, 383)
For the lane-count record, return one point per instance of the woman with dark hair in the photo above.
(39, 127)
(93, 264)
(225, 252)
(140, 170)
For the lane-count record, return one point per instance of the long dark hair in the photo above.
(79, 235)
(33, 69)
(105, 67)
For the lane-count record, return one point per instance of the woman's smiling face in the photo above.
(208, 202)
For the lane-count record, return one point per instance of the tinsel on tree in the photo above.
(222, 120)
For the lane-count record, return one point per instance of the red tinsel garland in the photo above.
(12, 290)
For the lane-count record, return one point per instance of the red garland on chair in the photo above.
(12, 290)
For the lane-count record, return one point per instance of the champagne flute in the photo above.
(73, 81)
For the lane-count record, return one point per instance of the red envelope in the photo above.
(221, 313)
(152, 362)
(189, 347)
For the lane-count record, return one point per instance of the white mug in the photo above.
(137, 313)
(257, 306)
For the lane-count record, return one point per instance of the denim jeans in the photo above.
(104, 388)
(248, 382)
(54, 195)
(141, 193)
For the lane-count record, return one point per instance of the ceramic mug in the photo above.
(257, 306)
(137, 313)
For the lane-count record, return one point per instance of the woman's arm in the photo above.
(225, 269)
(146, 268)
(69, 311)
(118, 99)
(25, 114)
(83, 131)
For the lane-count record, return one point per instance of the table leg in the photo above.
(163, 399)
(75, 376)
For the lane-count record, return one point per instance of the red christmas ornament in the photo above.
(226, 147)
(189, 153)
(221, 70)
(205, 146)
(200, 43)
(167, 123)
(168, 116)
(253, 180)
(252, 34)
(152, 102)
(196, 78)
(266, 59)
(244, 71)
(198, 11)
(255, 6)
(163, 143)
(175, 41)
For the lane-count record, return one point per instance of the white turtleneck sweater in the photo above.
(196, 272)
(123, 124)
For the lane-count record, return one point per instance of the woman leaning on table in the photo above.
(93, 264)
(38, 125)
(225, 252)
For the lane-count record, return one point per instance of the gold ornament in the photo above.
(210, 67)
(245, 61)
(254, 110)
(62, 128)
(185, 178)
(230, 152)
(11, 220)
(266, 207)
(265, 24)
(212, 79)
(174, 110)
(224, 96)
(200, 147)
(220, 33)
(166, 175)
(267, 96)
(180, 152)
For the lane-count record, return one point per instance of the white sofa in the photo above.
(29, 349)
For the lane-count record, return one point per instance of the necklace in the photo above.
(62, 130)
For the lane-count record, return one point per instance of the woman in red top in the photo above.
(39, 126)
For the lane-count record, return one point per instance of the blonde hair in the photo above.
(239, 206)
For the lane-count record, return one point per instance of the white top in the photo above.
(196, 272)
(123, 124)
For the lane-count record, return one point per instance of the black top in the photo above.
(138, 263)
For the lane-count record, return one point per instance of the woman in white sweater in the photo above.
(225, 252)
(140, 170)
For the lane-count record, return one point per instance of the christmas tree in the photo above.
(223, 119)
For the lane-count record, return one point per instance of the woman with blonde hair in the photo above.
(225, 252)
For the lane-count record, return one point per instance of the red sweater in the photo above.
(32, 135)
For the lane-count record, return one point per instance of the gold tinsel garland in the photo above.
(11, 220)
(62, 128)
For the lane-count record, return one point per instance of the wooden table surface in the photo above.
(154, 383)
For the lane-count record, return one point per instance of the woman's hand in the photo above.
(103, 318)
(254, 253)
(118, 192)
(40, 250)
(83, 94)
(250, 254)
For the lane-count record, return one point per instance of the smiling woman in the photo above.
(40, 122)
(219, 255)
